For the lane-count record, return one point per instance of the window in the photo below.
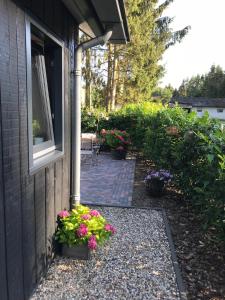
(199, 109)
(45, 95)
(219, 110)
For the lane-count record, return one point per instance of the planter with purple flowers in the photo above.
(81, 230)
(155, 182)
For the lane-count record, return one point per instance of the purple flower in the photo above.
(92, 243)
(95, 213)
(86, 217)
(63, 214)
(161, 175)
(82, 230)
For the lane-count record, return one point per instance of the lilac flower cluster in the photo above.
(162, 175)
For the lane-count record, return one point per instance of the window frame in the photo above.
(43, 154)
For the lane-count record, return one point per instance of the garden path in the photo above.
(137, 263)
(107, 181)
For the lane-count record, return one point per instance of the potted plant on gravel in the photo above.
(155, 182)
(118, 141)
(81, 230)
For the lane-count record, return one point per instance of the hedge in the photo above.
(194, 153)
(191, 148)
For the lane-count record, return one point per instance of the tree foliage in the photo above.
(210, 85)
(131, 72)
(164, 94)
(150, 35)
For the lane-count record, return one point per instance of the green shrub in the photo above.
(90, 119)
(134, 118)
(194, 154)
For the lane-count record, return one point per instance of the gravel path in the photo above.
(134, 264)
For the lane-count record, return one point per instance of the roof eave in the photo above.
(94, 18)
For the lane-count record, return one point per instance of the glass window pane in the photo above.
(41, 123)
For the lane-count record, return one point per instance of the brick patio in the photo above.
(108, 181)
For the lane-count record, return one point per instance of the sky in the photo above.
(202, 47)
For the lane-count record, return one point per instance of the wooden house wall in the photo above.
(28, 204)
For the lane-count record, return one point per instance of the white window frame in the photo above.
(42, 154)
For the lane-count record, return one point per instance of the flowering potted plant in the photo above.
(118, 141)
(155, 182)
(81, 230)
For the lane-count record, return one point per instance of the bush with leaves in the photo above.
(133, 118)
(90, 119)
(191, 148)
(194, 154)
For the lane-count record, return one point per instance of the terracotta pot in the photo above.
(77, 251)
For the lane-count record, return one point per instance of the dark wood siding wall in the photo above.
(28, 204)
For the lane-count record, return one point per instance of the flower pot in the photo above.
(104, 148)
(77, 251)
(118, 154)
(155, 187)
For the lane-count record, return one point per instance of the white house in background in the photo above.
(214, 106)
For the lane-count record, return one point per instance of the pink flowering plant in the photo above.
(83, 225)
(116, 139)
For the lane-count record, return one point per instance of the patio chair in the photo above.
(87, 150)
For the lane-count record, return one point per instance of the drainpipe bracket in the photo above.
(75, 73)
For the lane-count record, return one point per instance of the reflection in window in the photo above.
(41, 111)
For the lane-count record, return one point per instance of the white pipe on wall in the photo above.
(76, 115)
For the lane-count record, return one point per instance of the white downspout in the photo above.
(76, 115)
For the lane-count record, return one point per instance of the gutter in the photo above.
(123, 20)
(76, 114)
